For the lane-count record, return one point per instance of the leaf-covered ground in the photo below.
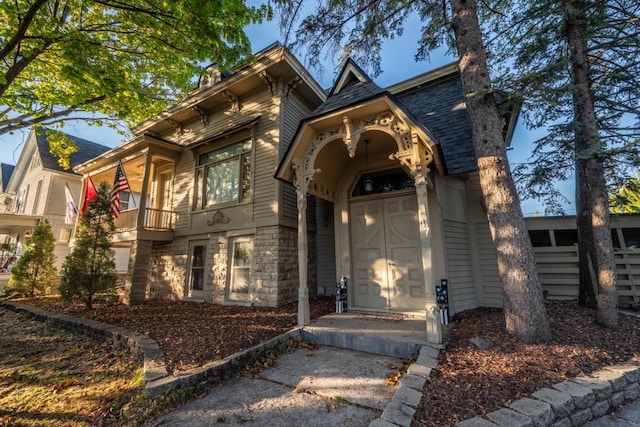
(192, 334)
(50, 377)
(468, 381)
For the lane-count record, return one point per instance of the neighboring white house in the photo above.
(35, 190)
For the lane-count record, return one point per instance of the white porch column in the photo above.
(304, 314)
(434, 330)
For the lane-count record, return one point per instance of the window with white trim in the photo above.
(65, 235)
(198, 254)
(240, 279)
(224, 175)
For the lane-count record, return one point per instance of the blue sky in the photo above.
(398, 64)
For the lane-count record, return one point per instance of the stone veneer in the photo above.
(569, 403)
(138, 272)
(275, 261)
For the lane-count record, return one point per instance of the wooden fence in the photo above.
(555, 246)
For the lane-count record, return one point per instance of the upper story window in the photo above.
(35, 160)
(224, 175)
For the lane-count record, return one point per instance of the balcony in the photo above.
(154, 219)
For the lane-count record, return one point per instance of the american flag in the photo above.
(120, 184)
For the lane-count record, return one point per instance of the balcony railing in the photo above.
(154, 219)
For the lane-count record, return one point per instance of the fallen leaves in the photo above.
(469, 381)
(192, 334)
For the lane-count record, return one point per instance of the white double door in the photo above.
(386, 254)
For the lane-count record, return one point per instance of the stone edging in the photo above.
(566, 404)
(569, 403)
(156, 378)
(402, 408)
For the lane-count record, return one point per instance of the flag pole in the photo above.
(133, 199)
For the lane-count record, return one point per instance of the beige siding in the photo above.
(183, 191)
(558, 266)
(30, 181)
(461, 287)
(265, 209)
(491, 285)
(326, 258)
(293, 111)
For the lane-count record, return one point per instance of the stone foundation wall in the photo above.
(168, 269)
(275, 262)
(216, 277)
(138, 272)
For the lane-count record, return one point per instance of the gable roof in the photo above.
(6, 170)
(353, 86)
(87, 150)
(434, 100)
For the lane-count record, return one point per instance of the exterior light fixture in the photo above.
(368, 182)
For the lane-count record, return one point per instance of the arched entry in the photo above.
(386, 253)
(322, 160)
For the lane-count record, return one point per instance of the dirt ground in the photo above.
(468, 380)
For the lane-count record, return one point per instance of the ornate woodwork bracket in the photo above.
(203, 114)
(291, 85)
(235, 103)
(177, 126)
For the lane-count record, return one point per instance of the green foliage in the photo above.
(535, 60)
(125, 60)
(626, 199)
(60, 145)
(35, 270)
(357, 29)
(91, 267)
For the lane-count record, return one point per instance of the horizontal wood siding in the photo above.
(265, 209)
(628, 265)
(326, 255)
(183, 190)
(559, 273)
(461, 287)
(293, 112)
(491, 284)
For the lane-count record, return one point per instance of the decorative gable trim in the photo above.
(350, 72)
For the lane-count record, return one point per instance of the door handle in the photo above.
(392, 264)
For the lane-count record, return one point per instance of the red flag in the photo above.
(120, 184)
(90, 193)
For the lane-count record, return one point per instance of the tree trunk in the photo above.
(524, 312)
(594, 229)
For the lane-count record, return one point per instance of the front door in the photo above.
(386, 253)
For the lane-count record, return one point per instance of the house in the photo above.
(35, 189)
(375, 187)
(204, 219)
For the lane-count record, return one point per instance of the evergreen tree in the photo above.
(357, 29)
(35, 270)
(91, 267)
(577, 62)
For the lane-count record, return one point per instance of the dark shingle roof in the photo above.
(358, 88)
(352, 93)
(87, 150)
(6, 171)
(441, 107)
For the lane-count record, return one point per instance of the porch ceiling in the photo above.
(334, 161)
(133, 169)
(10, 223)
